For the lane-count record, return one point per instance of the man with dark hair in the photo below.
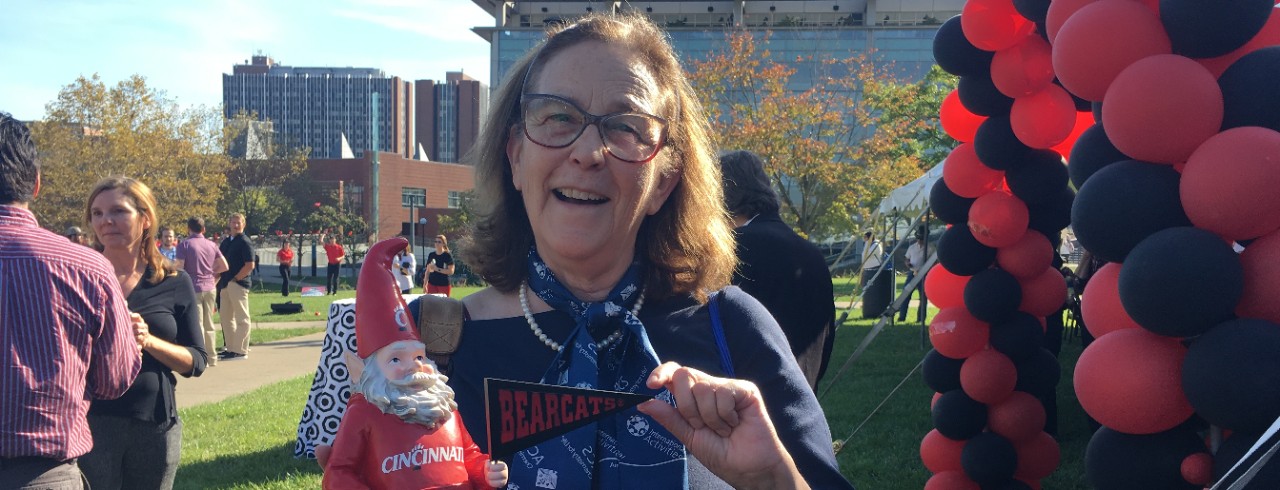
(66, 335)
(233, 287)
(787, 273)
(202, 260)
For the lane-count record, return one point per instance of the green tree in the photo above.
(260, 166)
(832, 150)
(92, 131)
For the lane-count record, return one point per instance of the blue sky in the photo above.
(184, 47)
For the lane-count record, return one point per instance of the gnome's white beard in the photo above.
(419, 398)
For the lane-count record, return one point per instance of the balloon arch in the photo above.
(1167, 115)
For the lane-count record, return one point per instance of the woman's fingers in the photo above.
(702, 400)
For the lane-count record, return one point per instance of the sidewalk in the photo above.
(267, 363)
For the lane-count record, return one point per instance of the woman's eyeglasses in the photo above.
(556, 122)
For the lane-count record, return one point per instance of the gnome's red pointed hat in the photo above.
(382, 317)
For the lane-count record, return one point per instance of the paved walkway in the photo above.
(267, 363)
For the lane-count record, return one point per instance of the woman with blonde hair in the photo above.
(601, 231)
(137, 438)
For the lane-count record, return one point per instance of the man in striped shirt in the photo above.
(66, 334)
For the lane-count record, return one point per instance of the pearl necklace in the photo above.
(555, 346)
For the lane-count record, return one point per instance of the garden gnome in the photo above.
(401, 429)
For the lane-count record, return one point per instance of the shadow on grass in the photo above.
(275, 467)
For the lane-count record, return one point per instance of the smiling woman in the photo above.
(608, 252)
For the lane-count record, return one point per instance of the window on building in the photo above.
(413, 197)
(455, 200)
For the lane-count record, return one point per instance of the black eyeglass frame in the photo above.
(593, 119)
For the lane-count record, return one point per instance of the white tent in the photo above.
(914, 196)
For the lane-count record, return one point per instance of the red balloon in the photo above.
(988, 376)
(1100, 304)
(951, 480)
(1261, 262)
(1161, 108)
(1024, 68)
(1043, 294)
(944, 288)
(993, 25)
(939, 453)
(965, 174)
(1229, 185)
(1027, 257)
(1101, 40)
(998, 219)
(1197, 469)
(1018, 418)
(1084, 120)
(1131, 381)
(1045, 118)
(957, 121)
(1058, 13)
(1037, 457)
(957, 334)
(1268, 36)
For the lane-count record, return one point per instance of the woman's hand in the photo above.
(141, 332)
(724, 424)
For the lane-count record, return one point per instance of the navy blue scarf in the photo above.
(625, 450)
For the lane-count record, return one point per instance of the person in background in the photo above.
(915, 260)
(334, 252)
(137, 439)
(601, 230)
(787, 273)
(67, 332)
(439, 268)
(76, 236)
(168, 243)
(285, 257)
(203, 262)
(402, 269)
(233, 298)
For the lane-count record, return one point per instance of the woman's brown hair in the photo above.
(145, 202)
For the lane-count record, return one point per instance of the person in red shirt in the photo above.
(285, 257)
(401, 429)
(335, 253)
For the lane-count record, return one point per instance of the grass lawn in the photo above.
(314, 308)
(246, 442)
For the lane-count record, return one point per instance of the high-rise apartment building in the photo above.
(317, 106)
(447, 115)
(801, 33)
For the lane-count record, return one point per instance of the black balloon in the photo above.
(997, 146)
(1038, 374)
(959, 417)
(1091, 152)
(1096, 107)
(992, 295)
(1039, 178)
(1200, 29)
(956, 55)
(1234, 448)
(1231, 374)
(1124, 203)
(980, 95)
(962, 254)
(1119, 461)
(1033, 10)
(1019, 336)
(949, 207)
(1249, 95)
(941, 373)
(1051, 216)
(1181, 281)
(989, 459)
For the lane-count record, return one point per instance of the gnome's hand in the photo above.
(496, 473)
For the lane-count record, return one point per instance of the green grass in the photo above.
(247, 441)
(313, 307)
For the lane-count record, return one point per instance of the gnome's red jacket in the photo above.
(378, 450)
